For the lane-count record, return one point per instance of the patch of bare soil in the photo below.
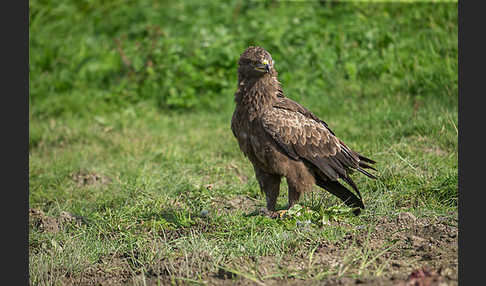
(110, 270)
(243, 203)
(425, 251)
(436, 151)
(44, 223)
(85, 178)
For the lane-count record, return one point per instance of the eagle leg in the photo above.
(270, 186)
(294, 196)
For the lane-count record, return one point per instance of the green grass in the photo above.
(151, 113)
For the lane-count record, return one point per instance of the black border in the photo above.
(471, 127)
(15, 142)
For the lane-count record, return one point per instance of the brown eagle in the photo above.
(281, 138)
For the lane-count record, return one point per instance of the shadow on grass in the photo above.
(263, 211)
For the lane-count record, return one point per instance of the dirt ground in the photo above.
(424, 253)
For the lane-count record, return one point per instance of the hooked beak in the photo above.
(263, 67)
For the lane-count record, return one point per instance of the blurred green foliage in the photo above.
(89, 57)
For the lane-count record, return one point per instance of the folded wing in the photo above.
(305, 137)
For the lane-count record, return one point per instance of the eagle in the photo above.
(281, 138)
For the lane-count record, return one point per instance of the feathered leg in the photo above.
(270, 186)
(297, 186)
(294, 195)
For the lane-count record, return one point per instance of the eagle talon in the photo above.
(272, 214)
(281, 213)
(277, 214)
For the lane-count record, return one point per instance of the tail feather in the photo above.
(366, 173)
(363, 158)
(335, 188)
(366, 166)
(350, 182)
(362, 165)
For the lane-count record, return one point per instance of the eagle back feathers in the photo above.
(304, 138)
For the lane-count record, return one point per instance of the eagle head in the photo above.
(255, 62)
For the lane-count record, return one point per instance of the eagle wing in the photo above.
(288, 104)
(304, 136)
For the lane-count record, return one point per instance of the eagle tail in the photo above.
(340, 191)
(366, 166)
(366, 173)
(368, 160)
(362, 165)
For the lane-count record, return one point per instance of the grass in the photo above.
(140, 96)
